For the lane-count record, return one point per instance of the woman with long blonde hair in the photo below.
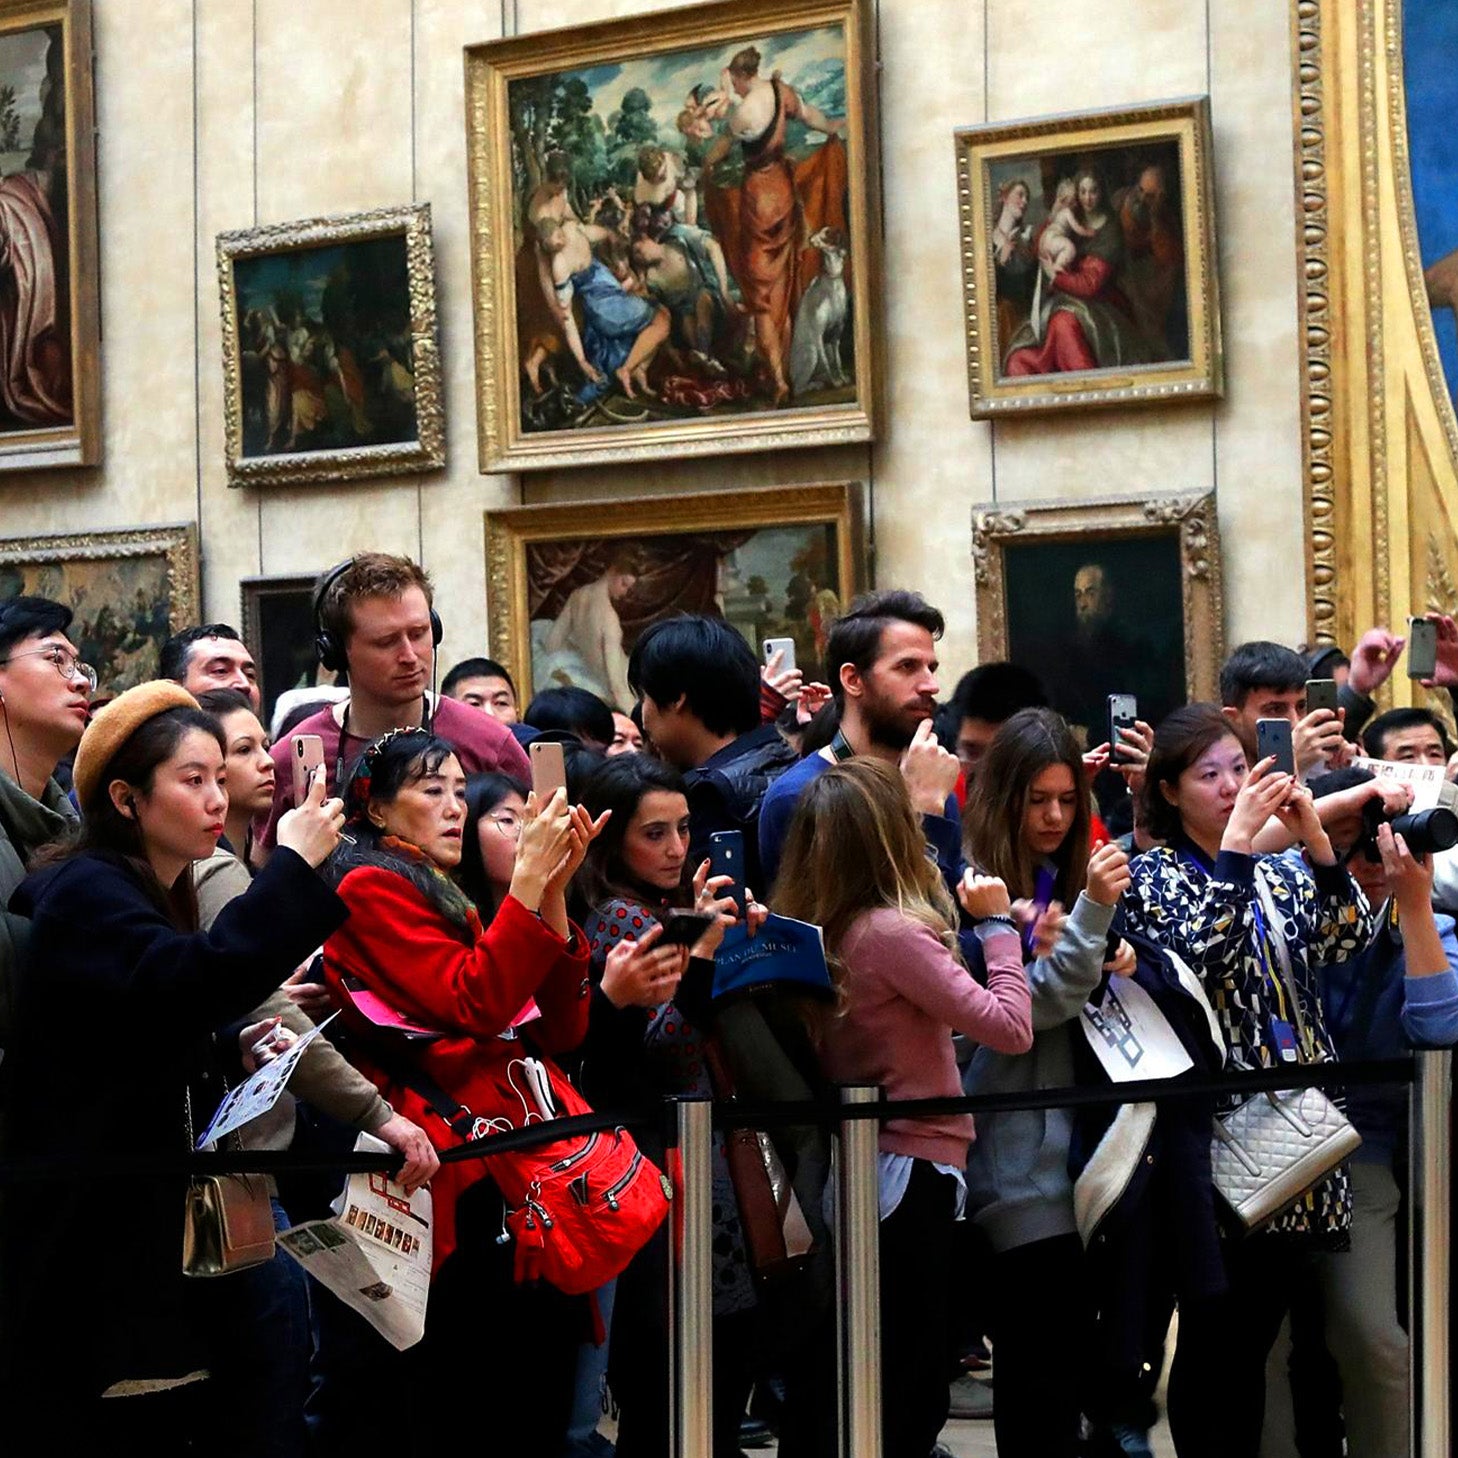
(855, 863)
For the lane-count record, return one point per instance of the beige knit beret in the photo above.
(115, 724)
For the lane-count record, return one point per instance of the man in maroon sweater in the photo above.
(377, 622)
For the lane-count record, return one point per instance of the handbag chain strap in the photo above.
(1283, 961)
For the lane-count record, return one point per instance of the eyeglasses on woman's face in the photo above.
(508, 822)
(66, 662)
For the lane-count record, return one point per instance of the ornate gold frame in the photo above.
(508, 533)
(490, 69)
(1186, 121)
(77, 444)
(1379, 439)
(427, 451)
(1191, 518)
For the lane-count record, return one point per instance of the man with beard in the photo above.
(881, 662)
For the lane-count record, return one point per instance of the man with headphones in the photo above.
(45, 696)
(373, 617)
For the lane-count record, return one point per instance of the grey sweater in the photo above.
(1018, 1186)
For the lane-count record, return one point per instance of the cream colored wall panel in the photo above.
(933, 461)
(305, 529)
(1258, 442)
(144, 114)
(229, 519)
(1086, 54)
(334, 91)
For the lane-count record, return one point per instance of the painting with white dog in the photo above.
(682, 238)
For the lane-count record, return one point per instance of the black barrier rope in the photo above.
(737, 1114)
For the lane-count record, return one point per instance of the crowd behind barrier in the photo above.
(525, 923)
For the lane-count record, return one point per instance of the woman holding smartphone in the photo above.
(1028, 824)
(650, 1017)
(106, 1342)
(1207, 896)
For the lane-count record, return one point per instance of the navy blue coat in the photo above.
(114, 1017)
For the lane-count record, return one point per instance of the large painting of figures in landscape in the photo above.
(1430, 63)
(674, 264)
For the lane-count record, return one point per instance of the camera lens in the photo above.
(1426, 831)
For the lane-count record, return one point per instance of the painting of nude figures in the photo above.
(1091, 274)
(670, 234)
(331, 366)
(49, 373)
(571, 586)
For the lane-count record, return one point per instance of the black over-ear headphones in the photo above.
(326, 643)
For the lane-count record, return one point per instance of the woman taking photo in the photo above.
(1201, 895)
(415, 940)
(113, 1046)
(495, 813)
(650, 1016)
(1028, 824)
(855, 864)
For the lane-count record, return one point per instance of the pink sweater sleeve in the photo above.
(912, 960)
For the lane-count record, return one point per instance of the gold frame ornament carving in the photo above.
(510, 532)
(427, 451)
(1191, 519)
(1185, 122)
(491, 68)
(78, 443)
(176, 543)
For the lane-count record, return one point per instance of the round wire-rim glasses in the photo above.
(68, 665)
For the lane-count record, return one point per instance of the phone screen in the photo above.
(1422, 648)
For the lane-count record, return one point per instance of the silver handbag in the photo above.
(1272, 1149)
(227, 1220)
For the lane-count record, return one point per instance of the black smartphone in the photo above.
(1422, 647)
(1321, 693)
(1123, 714)
(726, 858)
(1273, 736)
(684, 928)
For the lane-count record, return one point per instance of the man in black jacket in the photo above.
(699, 685)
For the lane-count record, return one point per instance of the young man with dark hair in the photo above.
(376, 616)
(984, 699)
(699, 684)
(1263, 680)
(881, 662)
(45, 696)
(1408, 736)
(575, 711)
(484, 684)
(213, 656)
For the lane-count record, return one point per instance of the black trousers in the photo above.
(1217, 1386)
(1042, 1334)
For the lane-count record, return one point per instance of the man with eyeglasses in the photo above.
(45, 697)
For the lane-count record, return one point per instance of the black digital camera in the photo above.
(1425, 831)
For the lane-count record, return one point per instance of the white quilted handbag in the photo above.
(1276, 1146)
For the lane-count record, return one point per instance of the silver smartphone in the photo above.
(785, 646)
(1123, 714)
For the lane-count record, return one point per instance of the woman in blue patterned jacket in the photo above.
(1199, 895)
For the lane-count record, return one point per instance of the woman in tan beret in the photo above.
(116, 1008)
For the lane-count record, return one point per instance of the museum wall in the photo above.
(219, 114)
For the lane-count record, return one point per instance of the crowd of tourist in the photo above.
(981, 878)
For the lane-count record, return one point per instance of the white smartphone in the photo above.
(785, 646)
(308, 759)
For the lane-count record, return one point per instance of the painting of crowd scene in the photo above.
(1088, 253)
(682, 246)
(588, 599)
(36, 386)
(325, 348)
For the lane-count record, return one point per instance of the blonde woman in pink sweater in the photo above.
(855, 863)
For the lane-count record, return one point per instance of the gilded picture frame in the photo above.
(1142, 610)
(50, 381)
(1089, 260)
(746, 341)
(129, 590)
(570, 585)
(331, 362)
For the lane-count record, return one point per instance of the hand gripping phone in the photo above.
(308, 759)
(684, 928)
(1273, 736)
(1123, 714)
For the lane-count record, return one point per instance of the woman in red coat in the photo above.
(415, 940)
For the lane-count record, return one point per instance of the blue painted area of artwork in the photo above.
(1430, 64)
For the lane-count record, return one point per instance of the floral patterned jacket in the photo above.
(1209, 914)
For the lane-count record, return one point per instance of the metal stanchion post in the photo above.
(1431, 1218)
(691, 1282)
(858, 1267)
